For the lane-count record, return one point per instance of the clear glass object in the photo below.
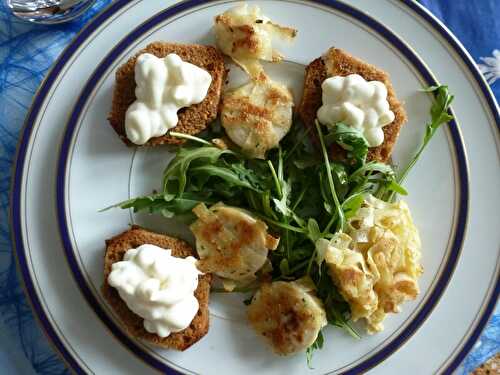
(48, 11)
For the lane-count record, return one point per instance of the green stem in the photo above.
(287, 240)
(403, 175)
(407, 169)
(329, 225)
(281, 225)
(299, 266)
(340, 213)
(190, 137)
(280, 164)
(439, 116)
(275, 178)
(352, 331)
(301, 196)
(297, 143)
(310, 262)
(251, 199)
(266, 205)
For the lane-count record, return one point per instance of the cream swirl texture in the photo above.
(158, 287)
(358, 103)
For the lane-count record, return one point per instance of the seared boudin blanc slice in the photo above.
(246, 35)
(257, 115)
(288, 315)
(231, 242)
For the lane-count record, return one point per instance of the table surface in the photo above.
(27, 52)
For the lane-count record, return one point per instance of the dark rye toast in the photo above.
(116, 248)
(338, 62)
(192, 119)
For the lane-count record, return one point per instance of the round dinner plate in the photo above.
(71, 164)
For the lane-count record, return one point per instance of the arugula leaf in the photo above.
(371, 168)
(439, 115)
(164, 204)
(297, 191)
(300, 253)
(189, 137)
(174, 176)
(266, 205)
(396, 187)
(352, 204)
(305, 162)
(340, 178)
(311, 204)
(227, 174)
(313, 231)
(430, 88)
(297, 143)
(328, 203)
(298, 200)
(279, 224)
(337, 309)
(340, 213)
(277, 184)
(316, 345)
(284, 267)
(282, 203)
(251, 174)
(375, 178)
(351, 140)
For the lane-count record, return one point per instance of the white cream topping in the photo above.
(158, 287)
(164, 85)
(358, 103)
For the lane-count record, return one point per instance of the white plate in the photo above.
(453, 192)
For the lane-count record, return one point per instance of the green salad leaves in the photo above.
(300, 191)
(439, 115)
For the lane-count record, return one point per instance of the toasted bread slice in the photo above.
(116, 248)
(192, 119)
(490, 367)
(337, 62)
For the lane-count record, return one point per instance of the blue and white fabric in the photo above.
(27, 52)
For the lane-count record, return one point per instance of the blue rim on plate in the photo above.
(84, 35)
(492, 103)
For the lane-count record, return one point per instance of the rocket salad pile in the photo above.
(305, 198)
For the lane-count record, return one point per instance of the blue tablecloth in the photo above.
(27, 52)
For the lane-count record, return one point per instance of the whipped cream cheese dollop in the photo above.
(358, 103)
(158, 287)
(164, 85)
